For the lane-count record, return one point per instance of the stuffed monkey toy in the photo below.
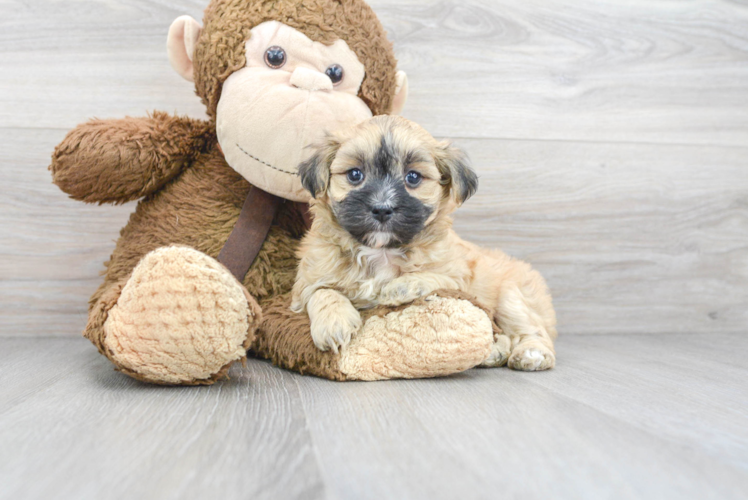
(203, 270)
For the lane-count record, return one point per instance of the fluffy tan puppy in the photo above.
(382, 234)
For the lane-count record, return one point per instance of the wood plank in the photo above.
(632, 238)
(53, 248)
(45, 233)
(626, 71)
(95, 433)
(687, 389)
(31, 365)
(629, 416)
(638, 71)
(67, 62)
(45, 308)
(497, 433)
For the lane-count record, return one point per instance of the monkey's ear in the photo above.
(180, 45)
(401, 93)
(315, 170)
(455, 168)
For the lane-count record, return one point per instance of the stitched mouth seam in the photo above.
(265, 163)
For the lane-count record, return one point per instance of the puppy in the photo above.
(382, 233)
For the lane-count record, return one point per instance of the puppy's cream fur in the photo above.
(338, 274)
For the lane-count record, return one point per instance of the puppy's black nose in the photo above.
(382, 213)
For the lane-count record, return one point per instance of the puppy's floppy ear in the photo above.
(315, 170)
(455, 168)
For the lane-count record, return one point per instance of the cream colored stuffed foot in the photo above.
(434, 337)
(181, 318)
(532, 356)
(500, 351)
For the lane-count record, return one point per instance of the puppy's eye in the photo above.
(413, 178)
(275, 57)
(355, 176)
(335, 72)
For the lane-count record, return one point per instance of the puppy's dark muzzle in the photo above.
(382, 213)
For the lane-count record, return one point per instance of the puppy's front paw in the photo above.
(333, 321)
(531, 356)
(403, 290)
(333, 331)
(500, 351)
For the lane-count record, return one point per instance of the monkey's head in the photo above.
(276, 75)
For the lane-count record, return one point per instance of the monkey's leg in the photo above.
(525, 314)
(180, 318)
(441, 334)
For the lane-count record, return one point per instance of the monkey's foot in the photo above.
(432, 337)
(182, 318)
(437, 335)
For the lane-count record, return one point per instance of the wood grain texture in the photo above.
(100, 434)
(624, 71)
(633, 238)
(611, 139)
(625, 247)
(622, 416)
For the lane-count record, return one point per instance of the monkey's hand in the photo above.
(333, 319)
(115, 161)
(410, 287)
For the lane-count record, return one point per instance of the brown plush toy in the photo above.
(203, 269)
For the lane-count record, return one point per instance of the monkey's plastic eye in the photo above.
(335, 72)
(275, 57)
(355, 176)
(413, 178)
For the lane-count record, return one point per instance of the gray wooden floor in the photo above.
(635, 416)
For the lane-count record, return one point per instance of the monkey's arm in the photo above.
(115, 161)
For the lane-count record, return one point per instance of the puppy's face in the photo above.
(386, 179)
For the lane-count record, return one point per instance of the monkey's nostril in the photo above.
(382, 213)
(307, 79)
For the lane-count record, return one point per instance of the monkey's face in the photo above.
(387, 179)
(289, 93)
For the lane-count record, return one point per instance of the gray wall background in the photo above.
(611, 139)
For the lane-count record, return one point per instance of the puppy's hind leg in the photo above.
(525, 314)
